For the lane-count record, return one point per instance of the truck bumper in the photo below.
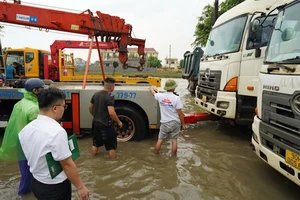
(223, 98)
(275, 161)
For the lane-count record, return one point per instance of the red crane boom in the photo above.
(104, 26)
(76, 44)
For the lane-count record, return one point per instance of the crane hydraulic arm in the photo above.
(106, 27)
(75, 44)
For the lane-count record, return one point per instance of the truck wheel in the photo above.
(134, 126)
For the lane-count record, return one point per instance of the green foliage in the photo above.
(181, 63)
(153, 62)
(228, 4)
(132, 55)
(205, 21)
(203, 26)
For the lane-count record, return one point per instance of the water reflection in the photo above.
(214, 162)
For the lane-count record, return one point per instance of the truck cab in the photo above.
(30, 60)
(229, 67)
(276, 127)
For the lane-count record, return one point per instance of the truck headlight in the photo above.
(223, 104)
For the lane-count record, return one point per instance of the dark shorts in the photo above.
(104, 135)
(60, 191)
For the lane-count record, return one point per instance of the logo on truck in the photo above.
(207, 73)
(271, 87)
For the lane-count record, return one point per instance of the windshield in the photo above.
(226, 37)
(285, 40)
(15, 57)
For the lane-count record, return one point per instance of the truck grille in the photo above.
(281, 124)
(208, 85)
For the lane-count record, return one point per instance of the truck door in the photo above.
(31, 63)
(253, 55)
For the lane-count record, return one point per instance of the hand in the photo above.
(120, 124)
(83, 193)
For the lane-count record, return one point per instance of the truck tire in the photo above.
(134, 124)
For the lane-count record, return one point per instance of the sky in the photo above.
(163, 23)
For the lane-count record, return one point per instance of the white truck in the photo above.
(229, 67)
(276, 127)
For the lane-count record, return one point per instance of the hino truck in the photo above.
(229, 67)
(276, 127)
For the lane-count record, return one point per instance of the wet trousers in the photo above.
(26, 177)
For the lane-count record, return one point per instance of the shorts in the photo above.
(104, 135)
(171, 129)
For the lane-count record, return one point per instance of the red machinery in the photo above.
(103, 26)
(62, 44)
(51, 71)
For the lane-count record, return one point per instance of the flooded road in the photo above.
(214, 162)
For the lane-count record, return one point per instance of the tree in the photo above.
(153, 62)
(181, 63)
(205, 21)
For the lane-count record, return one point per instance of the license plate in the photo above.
(292, 158)
(204, 98)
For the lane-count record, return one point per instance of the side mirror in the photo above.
(254, 25)
(287, 34)
(212, 43)
(257, 52)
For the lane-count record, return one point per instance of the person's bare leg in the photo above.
(174, 147)
(94, 150)
(158, 146)
(112, 154)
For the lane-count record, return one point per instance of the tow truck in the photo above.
(60, 67)
(134, 104)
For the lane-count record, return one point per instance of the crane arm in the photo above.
(103, 26)
(75, 44)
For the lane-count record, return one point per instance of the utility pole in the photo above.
(216, 11)
(169, 56)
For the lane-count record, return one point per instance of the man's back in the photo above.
(10, 72)
(169, 103)
(101, 100)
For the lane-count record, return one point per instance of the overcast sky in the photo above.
(161, 22)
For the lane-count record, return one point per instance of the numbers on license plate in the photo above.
(292, 158)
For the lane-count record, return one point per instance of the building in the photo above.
(172, 63)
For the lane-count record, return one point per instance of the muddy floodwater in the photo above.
(214, 162)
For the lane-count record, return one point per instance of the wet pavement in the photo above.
(214, 162)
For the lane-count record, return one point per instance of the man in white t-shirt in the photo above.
(44, 135)
(172, 117)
